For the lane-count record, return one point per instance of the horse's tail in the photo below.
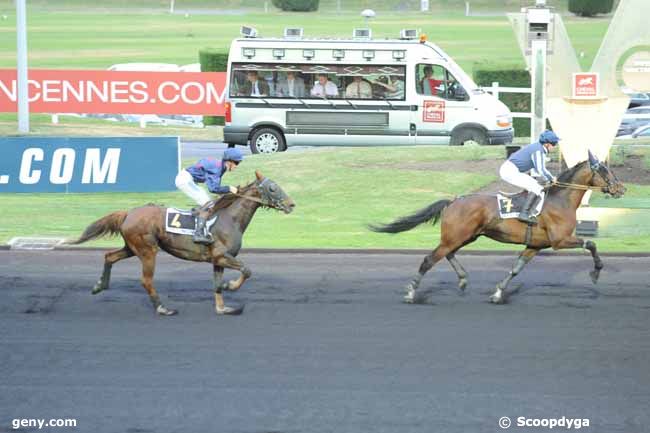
(110, 224)
(430, 213)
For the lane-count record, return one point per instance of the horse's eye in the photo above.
(272, 188)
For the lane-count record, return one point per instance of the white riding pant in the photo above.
(185, 183)
(511, 174)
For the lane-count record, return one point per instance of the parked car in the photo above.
(642, 132)
(633, 119)
(639, 100)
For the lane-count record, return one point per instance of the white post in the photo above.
(171, 6)
(538, 87)
(55, 119)
(266, 7)
(338, 7)
(21, 61)
(424, 5)
(143, 123)
(466, 9)
(495, 89)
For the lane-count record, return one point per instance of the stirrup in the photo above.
(202, 239)
(528, 219)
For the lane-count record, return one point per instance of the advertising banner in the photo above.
(79, 164)
(116, 92)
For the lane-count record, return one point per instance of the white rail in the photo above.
(496, 90)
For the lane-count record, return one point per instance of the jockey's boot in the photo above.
(525, 215)
(201, 234)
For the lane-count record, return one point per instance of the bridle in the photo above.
(267, 199)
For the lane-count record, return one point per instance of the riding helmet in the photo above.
(233, 154)
(549, 136)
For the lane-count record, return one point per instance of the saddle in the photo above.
(183, 222)
(511, 204)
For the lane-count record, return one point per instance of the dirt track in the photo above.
(324, 345)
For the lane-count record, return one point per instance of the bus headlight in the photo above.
(504, 121)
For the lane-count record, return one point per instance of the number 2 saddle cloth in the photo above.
(511, 205)
(182, 222)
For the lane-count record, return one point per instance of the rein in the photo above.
(575, 186)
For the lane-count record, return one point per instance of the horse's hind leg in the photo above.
(460, 271)
(110, 259)
(429, 261)
(525, 257)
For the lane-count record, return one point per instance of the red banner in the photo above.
(116, 92)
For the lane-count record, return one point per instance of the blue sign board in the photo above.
(88, 164)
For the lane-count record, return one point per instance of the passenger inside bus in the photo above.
(392, 87)
(324, 88)
(254, 86)
(358, 89)
(291, 87)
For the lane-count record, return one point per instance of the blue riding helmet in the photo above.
(549, 136)
(234, 155)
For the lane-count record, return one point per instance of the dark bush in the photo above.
(589, 8)
(508, 76)
(213, 60)
(296, 5)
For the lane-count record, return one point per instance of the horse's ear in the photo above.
(259, 175)
(593, 161)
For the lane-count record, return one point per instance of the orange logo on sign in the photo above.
(585, 85)
(434, 111)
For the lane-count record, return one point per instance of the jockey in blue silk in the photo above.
(208, 171)
(515, 171)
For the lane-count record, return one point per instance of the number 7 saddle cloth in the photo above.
(182, 222)
(511, 205)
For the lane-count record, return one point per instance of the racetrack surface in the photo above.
(324, 345)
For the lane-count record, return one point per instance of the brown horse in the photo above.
(466, 218)
(143, 230)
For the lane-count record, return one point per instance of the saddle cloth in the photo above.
(182, 222)
(510, 205)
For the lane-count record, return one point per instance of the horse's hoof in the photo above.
(164, 311)
(496, 299)
(462, 285)
(98, 288)
(595, 274)
(230, 311)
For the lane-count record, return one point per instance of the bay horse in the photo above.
(466, 218)
(143, 231)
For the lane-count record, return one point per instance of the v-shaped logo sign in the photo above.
(622, 61)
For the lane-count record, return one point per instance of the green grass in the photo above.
(41, 124)
(72, 40)
(337, 191)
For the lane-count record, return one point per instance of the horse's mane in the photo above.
(567, 175)
(228, 199)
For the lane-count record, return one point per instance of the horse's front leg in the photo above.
(220, 306)
(525, 257)
(574, 242)
(230, 262)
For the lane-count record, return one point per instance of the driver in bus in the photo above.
(428, 83)
(324, 88)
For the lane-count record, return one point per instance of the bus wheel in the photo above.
(466, 135)
(267, 140)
